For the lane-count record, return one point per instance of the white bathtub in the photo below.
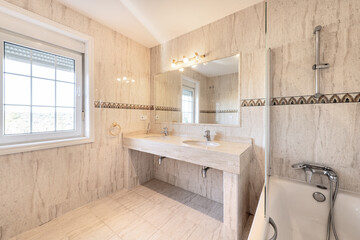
(299, 217)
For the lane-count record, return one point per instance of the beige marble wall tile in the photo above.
(327, 133)
(41, 185)
(241, 32)
(251, 126)
(222, 92)
(291, 25)
(188, 176)
(324, 134)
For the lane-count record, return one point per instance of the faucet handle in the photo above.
(207, 135)
(165, 131)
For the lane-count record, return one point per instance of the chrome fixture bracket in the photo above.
(204, 171)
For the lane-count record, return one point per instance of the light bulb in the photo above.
(173, 63)
(185, 59)
(181, 69)
(133, 80)
(127, 81)
(124, 78)
(119, 79)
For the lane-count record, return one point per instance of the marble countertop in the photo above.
(228, 156)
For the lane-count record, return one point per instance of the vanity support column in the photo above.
(138, 168)
(235, 204)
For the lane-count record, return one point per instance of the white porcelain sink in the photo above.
(201, 143)
(155, 136)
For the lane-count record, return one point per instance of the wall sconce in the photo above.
(175, 63)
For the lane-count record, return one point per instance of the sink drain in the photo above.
(318, 196)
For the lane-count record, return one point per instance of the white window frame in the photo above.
(190, 89)
(57, 39)
(41, 136)
(193, 84)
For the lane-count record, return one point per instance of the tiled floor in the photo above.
(155, 211)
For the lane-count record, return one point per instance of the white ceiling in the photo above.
(152, 22)
(218, 67)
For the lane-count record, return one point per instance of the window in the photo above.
(46, 83)
(42, 91)
(188, 104)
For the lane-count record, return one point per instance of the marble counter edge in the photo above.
(222, 160)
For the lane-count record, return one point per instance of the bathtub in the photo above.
(299, 217)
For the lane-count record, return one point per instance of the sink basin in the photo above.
(201, 143)
(155, 136)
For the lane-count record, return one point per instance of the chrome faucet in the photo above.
(165, 131)
(310, 168)
(207, 135)
(148, 129)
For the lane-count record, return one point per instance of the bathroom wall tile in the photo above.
(42, 185)
(293, 47)
(252, 74)
(325, 134)
(241, 32)
(322, 133)
(188, 176)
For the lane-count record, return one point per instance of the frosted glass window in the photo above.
(17, 89)
(65, 118)
(188, 105)
(43, 119)
(65, 94)
(43, 65)
(65, 70)
(39, 91)
(17, 59)
(17, 119)
(43, 92)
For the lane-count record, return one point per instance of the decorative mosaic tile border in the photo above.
(220, 111)
(99, 104)
(169, 109)
(310, 99)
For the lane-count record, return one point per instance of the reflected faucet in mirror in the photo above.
(165, 131)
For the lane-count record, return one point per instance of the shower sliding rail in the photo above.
(317, 66)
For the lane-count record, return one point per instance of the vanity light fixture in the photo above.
(185, 60)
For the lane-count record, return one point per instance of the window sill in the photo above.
(34, 146)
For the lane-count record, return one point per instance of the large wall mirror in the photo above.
(206, 93)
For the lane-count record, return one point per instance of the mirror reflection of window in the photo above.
(188, 104)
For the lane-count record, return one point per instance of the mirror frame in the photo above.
(204, 124)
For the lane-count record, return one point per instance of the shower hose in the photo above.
(331, 218)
